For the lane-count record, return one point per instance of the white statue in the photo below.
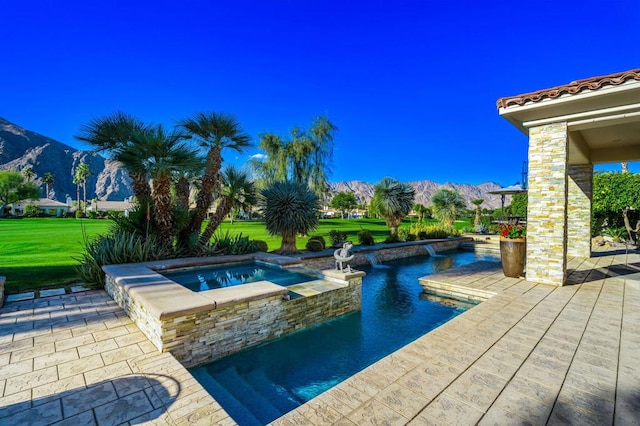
(343, 256)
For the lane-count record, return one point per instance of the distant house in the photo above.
(44, 205)
(108, 206)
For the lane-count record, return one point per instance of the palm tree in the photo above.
(289, 208)
(158, 154)
(237, 192)
(213, 132)
(477, 202)
(112, 134)
(28, 173)
(625, 167)
(76, 180)
(322, 134)
(81, 175)
(48, 179)
(420, 210)
(447, 205)
(393, 200)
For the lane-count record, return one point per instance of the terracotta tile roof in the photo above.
(593, 83)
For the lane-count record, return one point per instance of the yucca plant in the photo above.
(393, 200)
(289, 209)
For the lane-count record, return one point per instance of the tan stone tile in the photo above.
(349, 395)
(85, 419)
(587, 402)
(41, 415)
(369, 382)
(565, 413)
(120, 354)
(372, 412)
(2, 383)
(74, 342)
(160, 417)
(131, 338)
(31, 380)
(12, 346)
(452, 411)
(533, 410)
(293, 418)
(97, 347)
(423, 419)
(88, 328)
(107, 372)
(477, 388)
(329, 400)
(533, 389)
(596, 361)
(15, 402)
(498, 417)
(53, 337)
(79, 366)
(16, 369)
(110, 333)
(495, 366)
(5, 358)
(402, 400)
(35, 351)
(55, 358)
(318, 412)
(189, 403)
(54, 389)
(147, 347)
(123, 409)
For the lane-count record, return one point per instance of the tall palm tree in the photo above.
(322, 134)
(477, 202)
(28, 173)
(48, 179)
(289, 209)
(213, 132)
(81, 174)
(237, 192)
(158, 154)
(447, 205)
(393, 200)
(112, 134)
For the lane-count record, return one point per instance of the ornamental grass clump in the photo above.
(513, 231)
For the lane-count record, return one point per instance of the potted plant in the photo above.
(513, 249)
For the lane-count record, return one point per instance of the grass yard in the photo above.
(39, 253)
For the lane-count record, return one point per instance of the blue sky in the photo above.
(411, 85)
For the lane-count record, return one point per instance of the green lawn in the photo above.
(38, 253)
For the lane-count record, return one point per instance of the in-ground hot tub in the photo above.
(198, 327)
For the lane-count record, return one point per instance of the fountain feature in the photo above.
(431, 251)
(374, 260)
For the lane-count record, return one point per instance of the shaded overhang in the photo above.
(602, 116)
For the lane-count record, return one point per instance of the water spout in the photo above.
(431, 251)
(374, 260)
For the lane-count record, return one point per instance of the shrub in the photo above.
(78, 214)
(410, 237)
(262, 245)
(68, 215)
(314, 245)
(402, 233)
(393, 238)
(321, 239)
(31, 210)
(337, 238)
(115, 214)
(118, 247)
(233, 244)
(428, 232)
(365, 238)
(615, 232)
(93, 214)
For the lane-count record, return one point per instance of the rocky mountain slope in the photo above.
(20, 148)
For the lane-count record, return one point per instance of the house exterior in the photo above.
(107, 206)
(571, 128)
(44, 205)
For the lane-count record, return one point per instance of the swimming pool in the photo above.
(260, 384)
(228, 275)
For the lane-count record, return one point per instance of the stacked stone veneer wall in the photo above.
(385, 253)
(579, 196)
(547, 207)
(198, 337)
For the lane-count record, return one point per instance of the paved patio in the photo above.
(531, 354)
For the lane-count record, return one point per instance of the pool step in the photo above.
(251, 401)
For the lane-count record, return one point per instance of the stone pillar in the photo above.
(547, 207)
(579, 193)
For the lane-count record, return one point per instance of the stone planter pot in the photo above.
(513, 253)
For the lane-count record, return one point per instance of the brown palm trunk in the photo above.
(163, 214)
(141, 188)
(205, 196)
(222, 210)
(288, 245)
(182, 193)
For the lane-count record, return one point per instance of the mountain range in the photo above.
(20, 148)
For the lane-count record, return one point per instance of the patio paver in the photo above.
(531, 354)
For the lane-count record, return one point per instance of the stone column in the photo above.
(547, 207)
(579, 193)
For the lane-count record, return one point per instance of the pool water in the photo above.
(211, 277)
(260, 384)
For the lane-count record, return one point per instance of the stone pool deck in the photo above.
(531, 354)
